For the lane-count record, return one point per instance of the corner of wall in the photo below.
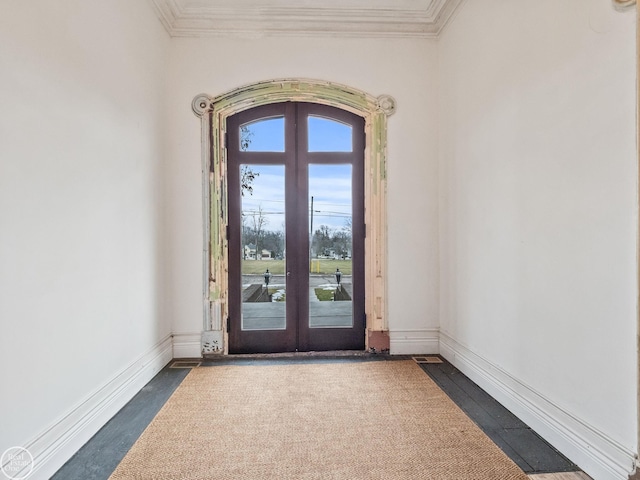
(187, 345)
(52, 448)
(414, 342)
(594, 451)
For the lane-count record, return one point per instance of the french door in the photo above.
(296, 229)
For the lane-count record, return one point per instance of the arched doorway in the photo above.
(293, 285)
(215, 113)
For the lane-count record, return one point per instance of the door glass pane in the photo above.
(264, 135)
(330, 246)
(327, 135)
(262, 248)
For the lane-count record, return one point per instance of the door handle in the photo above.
(288, 274)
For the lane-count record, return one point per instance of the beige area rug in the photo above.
(369, 420)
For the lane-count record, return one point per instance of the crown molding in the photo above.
(188, 18)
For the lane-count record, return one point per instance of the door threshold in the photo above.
(296, 355)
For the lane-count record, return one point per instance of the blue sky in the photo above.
(324, 135)
(330, 185)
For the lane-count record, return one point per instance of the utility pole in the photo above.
(311, 229)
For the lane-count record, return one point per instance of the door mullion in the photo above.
(302, 229)
(291, 207)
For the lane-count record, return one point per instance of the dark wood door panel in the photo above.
(296, 333)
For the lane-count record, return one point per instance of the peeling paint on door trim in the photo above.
(214, 111)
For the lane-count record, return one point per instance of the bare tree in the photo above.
(348, 225)
(322, 240)
(243, 234)
(259, 221)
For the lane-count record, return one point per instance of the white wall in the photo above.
(81, 152)
(405, 69)
(101, 213)
(538, 217)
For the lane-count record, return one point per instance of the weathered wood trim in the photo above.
(636, 475)
(214, 112)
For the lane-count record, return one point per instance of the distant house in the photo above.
(250, 252)
(331, 253)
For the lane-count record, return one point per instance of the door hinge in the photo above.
(364, 320)
(225, 140)
(228, 323)
(228, 232)
(364, 230)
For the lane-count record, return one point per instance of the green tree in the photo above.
(247, 176)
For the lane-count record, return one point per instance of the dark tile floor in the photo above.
(524, 446)
(100, 456)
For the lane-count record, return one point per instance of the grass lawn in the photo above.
(276, 267)
(324, 295)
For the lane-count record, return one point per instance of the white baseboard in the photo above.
(52, 448)
(187, 345)
(592, 450)
(414, 342)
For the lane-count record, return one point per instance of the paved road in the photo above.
(314, 280)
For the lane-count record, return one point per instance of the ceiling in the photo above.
(356, 18)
